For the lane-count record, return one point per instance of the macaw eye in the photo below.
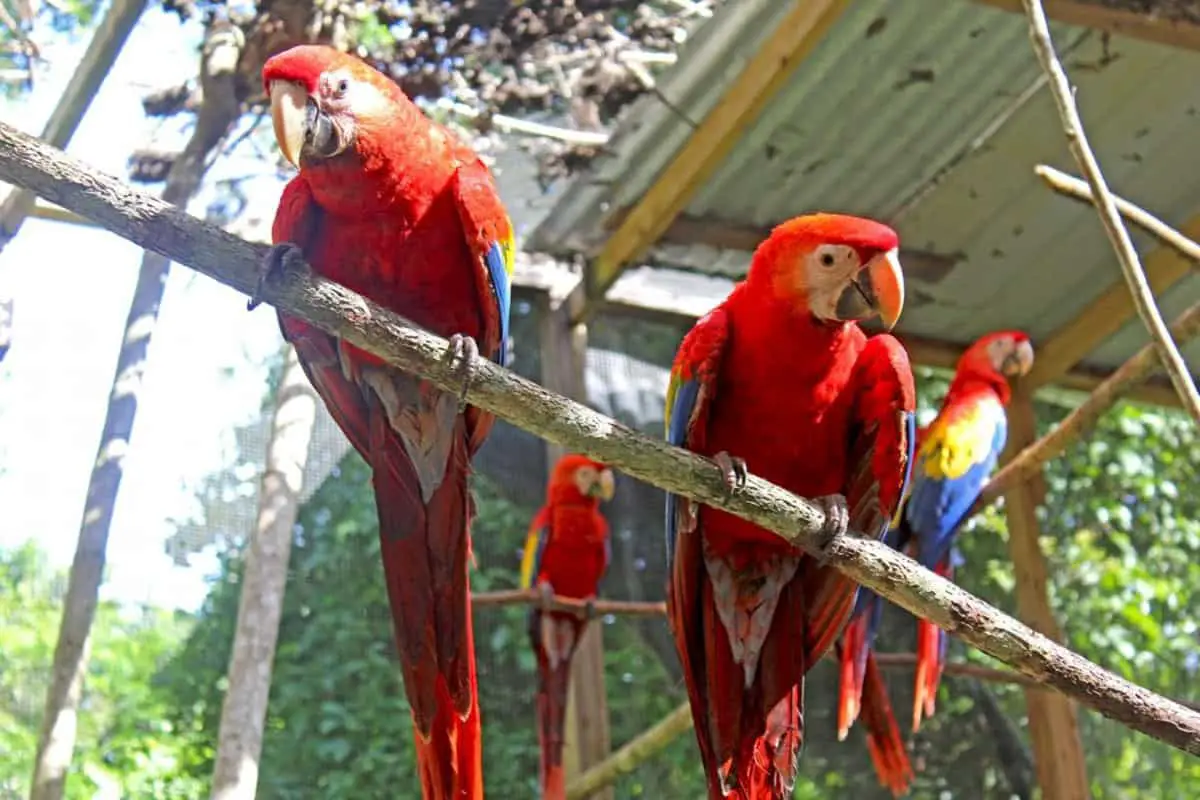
(343, 86)
(832, 255)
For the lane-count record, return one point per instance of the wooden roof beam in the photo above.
(1158, 29)
(768, 69)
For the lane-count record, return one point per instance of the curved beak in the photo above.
(1020, 360)
(289, 116)
(606, 484)
(887, 284)
(877, 290)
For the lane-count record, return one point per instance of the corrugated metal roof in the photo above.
(932, 115)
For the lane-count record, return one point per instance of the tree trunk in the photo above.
(243, 714)
(219, 111)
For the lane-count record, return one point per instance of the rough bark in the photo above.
(264, 580)
(151, 223)
(57, 740)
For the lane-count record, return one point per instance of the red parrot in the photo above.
(956, 454)
(781, 373)
(398, 209)
(566, 553)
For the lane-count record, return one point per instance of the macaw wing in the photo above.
(689, 397)
(956, 457)
(690, 393)
(881, 446)
(490, 238)
(298, 220)
(535, 545)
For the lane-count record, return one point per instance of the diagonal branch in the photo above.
(1084, 416)
(1131, 265)
(153, 224)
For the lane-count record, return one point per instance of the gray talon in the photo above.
(465, 351)
(589, 609)
(733, 472)
(279, 260)
(837, 521)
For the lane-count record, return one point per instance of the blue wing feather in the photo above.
(680, 415)
(498, 272)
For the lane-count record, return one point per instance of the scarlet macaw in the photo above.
(781, 373)
(567, 552)
(395, 207)
(956, 454)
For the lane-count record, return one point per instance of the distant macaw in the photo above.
(567, 552)
(781, 374)
(956, 454)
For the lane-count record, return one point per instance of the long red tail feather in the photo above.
(884, 741)
(554, 638)
(929, 671)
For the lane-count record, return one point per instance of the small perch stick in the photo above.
(1071, 186)
(1084, 416)
(511, 597)
(633, 753)
(1131, 265)
(155, 225)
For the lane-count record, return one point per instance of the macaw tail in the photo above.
(931, 658)
(884, 742)
(554, 637)
(424, 509)
(852, 650)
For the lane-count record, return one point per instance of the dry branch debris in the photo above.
(151, 223)
(1127, 256)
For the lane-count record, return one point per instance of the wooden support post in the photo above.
(587, 740)
(1057, 747)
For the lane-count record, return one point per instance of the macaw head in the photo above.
(1003, 354)
(577, 478)
(323, 101)
(838, 267)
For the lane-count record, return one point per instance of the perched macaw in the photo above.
(397, 208)
(566, 554)
(781, 374)
(956, 454)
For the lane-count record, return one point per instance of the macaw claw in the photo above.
(733, 472)
(589, 609)
(465, 352)
(837, 521)
(280, 260)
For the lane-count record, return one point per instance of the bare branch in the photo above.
(1071, 186)
(1131, 265)
(634, 752)
(151, 223)
(513, 597)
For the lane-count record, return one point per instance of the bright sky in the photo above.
(72, 287)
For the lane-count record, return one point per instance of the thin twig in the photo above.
(151, 223)
(506, 123)
(1131, 265)
(512, 597)
(1071, 186)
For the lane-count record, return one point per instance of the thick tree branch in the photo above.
(1071, 186)
(1131, 265)
(153, 224)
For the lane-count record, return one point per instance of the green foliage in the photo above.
(125, 739)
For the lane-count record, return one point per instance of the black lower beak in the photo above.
(321, 136)
(857, 300)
